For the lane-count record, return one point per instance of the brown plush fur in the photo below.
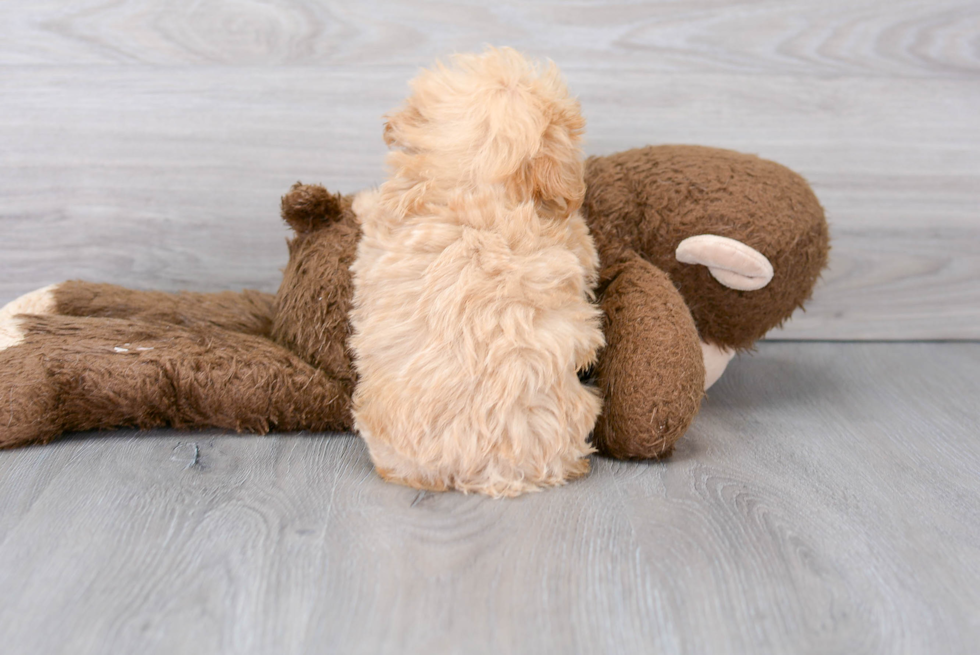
(648, 200)
(639, 205)
(650, 372)
(215, 370)
(73, 373)
(248, 312)
(314, 297)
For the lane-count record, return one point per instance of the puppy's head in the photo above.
(495, 118)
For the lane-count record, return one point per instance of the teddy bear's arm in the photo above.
(249, 312)
(63, 373)
(651, 372)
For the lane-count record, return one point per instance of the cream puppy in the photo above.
(473, 283)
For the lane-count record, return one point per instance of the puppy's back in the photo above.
(471, 318)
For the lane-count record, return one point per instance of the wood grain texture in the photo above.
(825, 501)
(796, 37)
(146, 143)
(169, 178)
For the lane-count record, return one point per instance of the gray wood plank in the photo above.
(825, 500)
(170, 177)
(795, 37)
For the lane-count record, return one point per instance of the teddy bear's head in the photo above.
(651, 200)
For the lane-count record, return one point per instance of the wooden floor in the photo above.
(825, 501)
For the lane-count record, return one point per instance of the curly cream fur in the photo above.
(473, 282)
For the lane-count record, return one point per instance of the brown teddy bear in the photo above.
(703, 251)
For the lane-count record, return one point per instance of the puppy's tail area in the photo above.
(310, 207)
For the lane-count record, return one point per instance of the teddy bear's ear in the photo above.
(733, 263)
(308, 207)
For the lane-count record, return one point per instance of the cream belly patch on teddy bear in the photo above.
(40, 301)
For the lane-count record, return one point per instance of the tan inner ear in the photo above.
(731, 262)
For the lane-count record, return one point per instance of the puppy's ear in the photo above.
(554, 172)
(556, 184)
(554, 176)
(308, 207)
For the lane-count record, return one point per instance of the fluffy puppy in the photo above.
(473, 283)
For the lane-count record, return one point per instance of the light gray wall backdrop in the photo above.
(147, 143)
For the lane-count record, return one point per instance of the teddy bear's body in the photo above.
(90, 356)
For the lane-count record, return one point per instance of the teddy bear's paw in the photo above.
(11, 333)
(28, 399)
(731, 262)
(41, 301)
(716, 359)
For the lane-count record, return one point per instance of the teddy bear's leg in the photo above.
(63, 373)
(651, 371)
(249, 312)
